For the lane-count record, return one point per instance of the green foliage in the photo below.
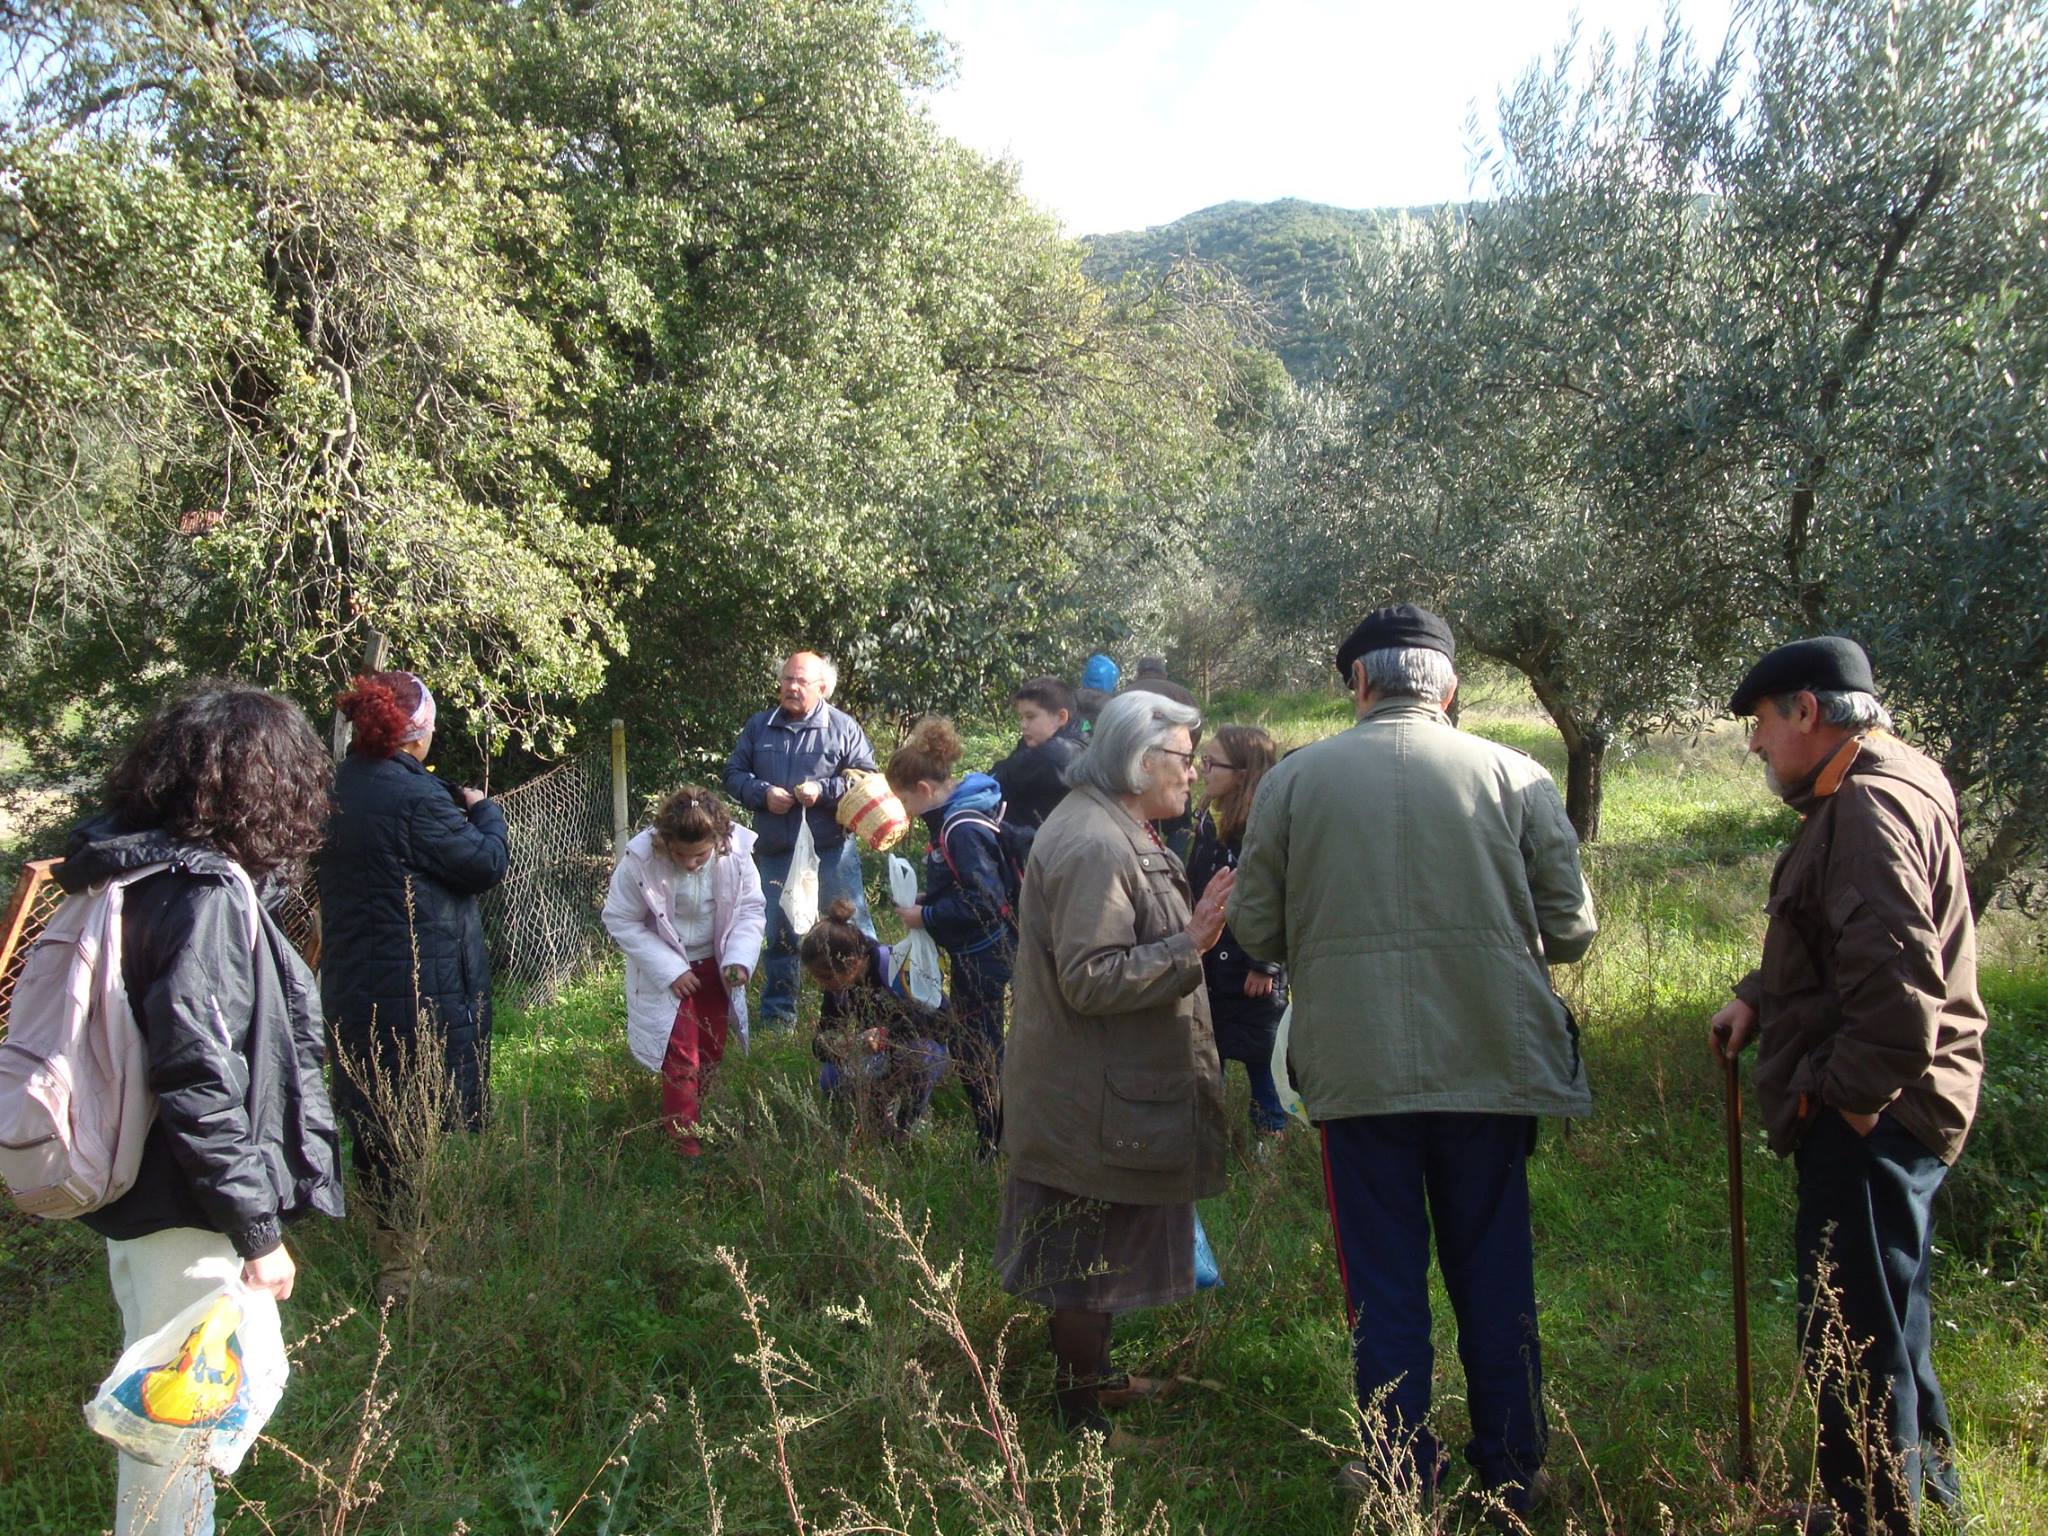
(1738, 350)
(297, 343)
(595, 356)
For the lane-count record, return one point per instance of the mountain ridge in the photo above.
(1285, 252)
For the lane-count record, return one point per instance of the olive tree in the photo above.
(1505, 435)
(1882, 324)
(1732, 354)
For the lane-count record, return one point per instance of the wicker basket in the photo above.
(872, 813)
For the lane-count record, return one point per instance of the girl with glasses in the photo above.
(1246, 996)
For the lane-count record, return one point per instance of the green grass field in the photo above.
(590, 1364)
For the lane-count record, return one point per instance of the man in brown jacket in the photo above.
(1870, 1052)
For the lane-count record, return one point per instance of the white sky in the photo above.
(1127, 113)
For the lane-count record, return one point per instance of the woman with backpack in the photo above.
(227, 786)
(968, 904)
(404, 973)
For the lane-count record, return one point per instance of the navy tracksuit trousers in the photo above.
(1866, 1211)
(1392, 1180)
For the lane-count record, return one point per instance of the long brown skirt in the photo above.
(1073, 1253)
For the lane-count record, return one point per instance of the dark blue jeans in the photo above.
(1866, 1210)
(838, 875)
(980, 992)
(1267, 1115)
(1391, 1179)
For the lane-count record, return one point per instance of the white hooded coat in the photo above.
(639, 914)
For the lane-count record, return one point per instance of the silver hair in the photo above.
(1850, 708)
(1130, 725)
(828, 670)
(1412, 672)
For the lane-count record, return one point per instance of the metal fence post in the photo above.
(621, 816)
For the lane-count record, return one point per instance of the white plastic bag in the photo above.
(736, 1010)
(917, 957)
(800, 891)
(1290, 1101)
(201, 1387)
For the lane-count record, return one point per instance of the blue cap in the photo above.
(1100, 674)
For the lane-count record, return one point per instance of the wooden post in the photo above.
(622, 825)
(373, 661)
(1745, 1433)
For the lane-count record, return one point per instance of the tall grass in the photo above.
(801, 1332)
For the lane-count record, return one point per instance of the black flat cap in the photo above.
(1827, 664)
(1403, 627)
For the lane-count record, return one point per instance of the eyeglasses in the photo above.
(1218, 762)
(1186, 757)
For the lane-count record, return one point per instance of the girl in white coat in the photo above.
(686, 908)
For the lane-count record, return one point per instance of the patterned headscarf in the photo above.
(421, 725)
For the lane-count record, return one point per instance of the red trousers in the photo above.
(696, 1044)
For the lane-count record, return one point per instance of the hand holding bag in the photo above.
(917, 957)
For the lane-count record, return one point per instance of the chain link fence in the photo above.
(541, 920)
(541, 923)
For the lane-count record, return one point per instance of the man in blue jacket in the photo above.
(790, 763)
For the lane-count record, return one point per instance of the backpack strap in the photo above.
(995, 827)
(254, 906)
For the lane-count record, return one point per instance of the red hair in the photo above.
(379, 707)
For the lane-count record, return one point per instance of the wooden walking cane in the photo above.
(1745, 1431)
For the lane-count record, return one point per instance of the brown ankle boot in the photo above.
(397, 1265)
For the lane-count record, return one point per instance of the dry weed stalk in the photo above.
(716, 1504)
(935, 1297)
(374, 1446)
(620, 1456)
(773, 1370)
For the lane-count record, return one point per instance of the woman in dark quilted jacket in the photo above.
(403, 970)
(227, 786)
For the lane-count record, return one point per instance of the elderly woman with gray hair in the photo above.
(1112, 1100)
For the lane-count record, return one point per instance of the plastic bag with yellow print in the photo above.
(201, 1387)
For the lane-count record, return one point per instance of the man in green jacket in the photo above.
(1418, 882)
(1870, 1052)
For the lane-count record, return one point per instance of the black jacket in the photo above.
(1034, 778)
(244, 1138)
(1244, 1025)
(871, 1003)
(400, 929)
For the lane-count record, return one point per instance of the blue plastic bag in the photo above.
(1207, 1275)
